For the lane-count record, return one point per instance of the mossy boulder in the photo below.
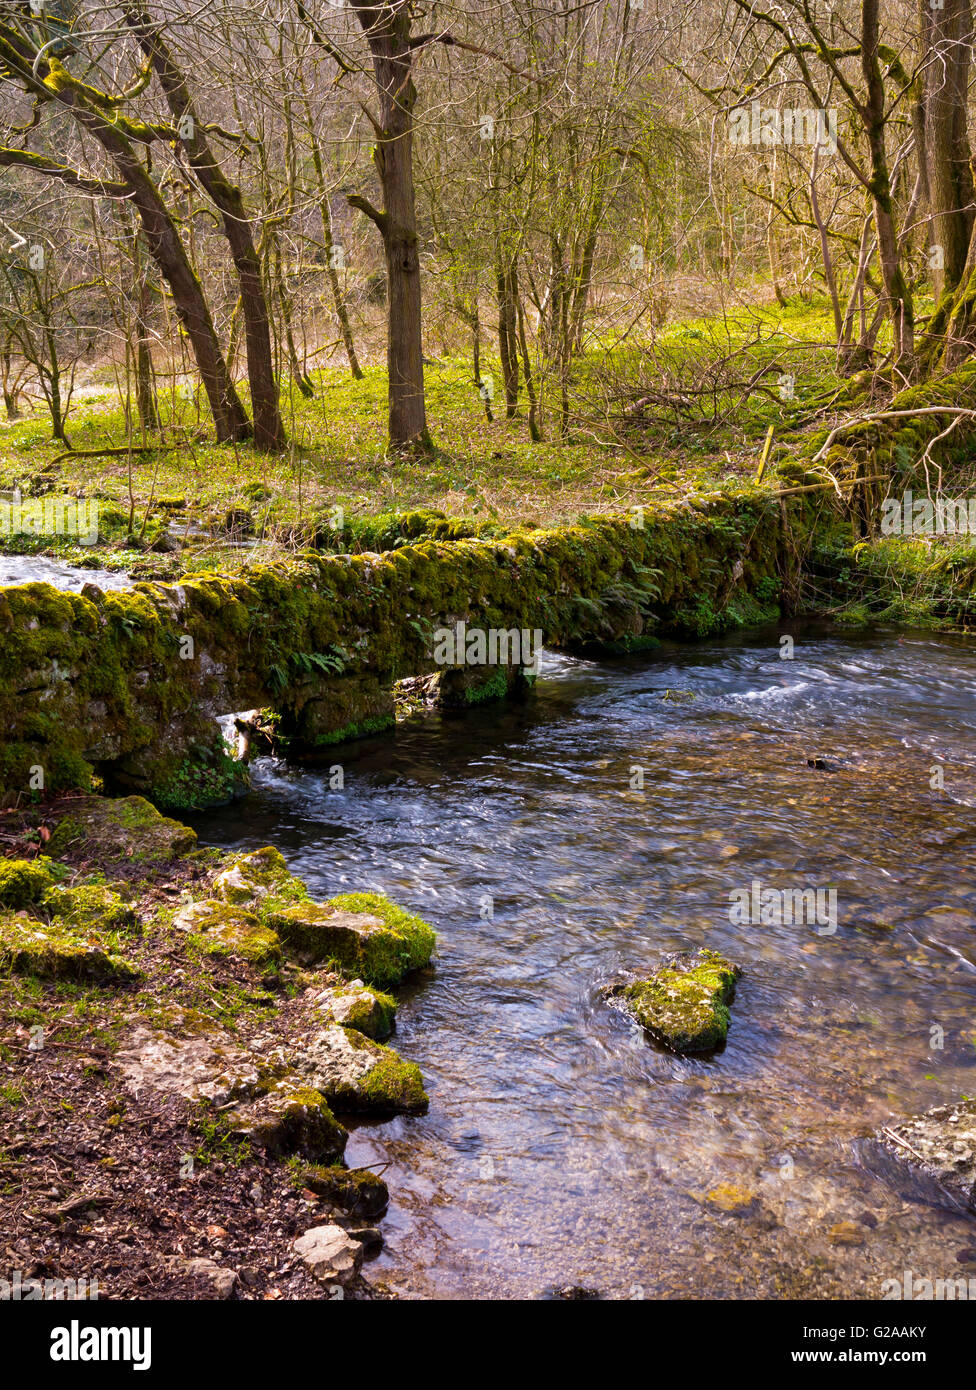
(355, 1005)
(260, 880)
(219, 929)
(364, 933)
(290, 1120)
(90, 907)
(356, 1191)
(53, 952)
(358, 1076)
(24, 881)
(684, 1005)
(124, 829)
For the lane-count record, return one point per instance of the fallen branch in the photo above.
(105, 453)
(956, 410)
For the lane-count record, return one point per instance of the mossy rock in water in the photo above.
(126, 829)
(355, 1005)
(90, 907)
(684, 1005)
(364, 933)
(358, 1076)
(357, 1191)
(260, 880)
(52, 952)
(290, 1120)
(24, 881)
(220, 929)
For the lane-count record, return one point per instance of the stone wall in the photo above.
(127, 685)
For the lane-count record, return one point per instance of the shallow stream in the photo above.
(564, 1149)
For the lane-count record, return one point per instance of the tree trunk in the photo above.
(269, 431)
(900, 304)
(145, 388)
(946, 39)
(387, 30)
(508, 347)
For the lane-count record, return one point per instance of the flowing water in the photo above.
(35, 569)
(562, 1148)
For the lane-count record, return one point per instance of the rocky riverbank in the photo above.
(184, 1034)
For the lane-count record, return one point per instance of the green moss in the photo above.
(356, 1191)
(127, 828)
(685, 1004)
(30, 947)
(363, 933)
(223, 929)
(290, 1120)
(24, 881)
(367, 1011)
(386, 1084)
(261, 880)
(90, 906)
(395, 1085)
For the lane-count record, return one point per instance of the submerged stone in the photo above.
(358, 1076)
(128, 828)
(733, 1200)
(363, 933)
(51, 951)
(684, 1005)
(930, 1157)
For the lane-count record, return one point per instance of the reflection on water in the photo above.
(561, 1148)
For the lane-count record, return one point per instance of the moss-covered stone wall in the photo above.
(128, 684)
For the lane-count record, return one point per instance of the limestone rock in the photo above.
(357, 1191)
(197, 1065)
(259, 880)
(221, 1280)
(357, 1075)
(290, 1120)
(219, 929)
(331, 1255)
(357, 1006)
(364, 933)
(53, 952)
(128, 828)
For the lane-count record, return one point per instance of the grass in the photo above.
(481, 469)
